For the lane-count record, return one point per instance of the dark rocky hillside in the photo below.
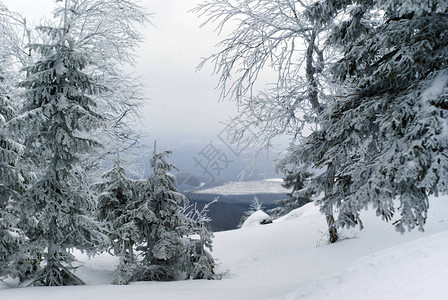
(227, 212)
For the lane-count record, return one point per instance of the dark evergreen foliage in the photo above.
(385, 140)
(164, 225)
(75, 98)
(56, 209)
(116, 195)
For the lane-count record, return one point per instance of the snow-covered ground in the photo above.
(290, 259)
(267, 186)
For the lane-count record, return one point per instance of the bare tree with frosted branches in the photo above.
(276, 36)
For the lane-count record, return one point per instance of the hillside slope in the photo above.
(290, 259)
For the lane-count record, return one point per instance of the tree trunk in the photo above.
(311, 71)
(332, 232)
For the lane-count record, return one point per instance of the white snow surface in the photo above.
(290, 259)
(267, 186)
(257, 218)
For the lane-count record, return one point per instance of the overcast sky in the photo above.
(183, 112)
(181, 102)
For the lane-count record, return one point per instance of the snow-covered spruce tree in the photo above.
(385, 142)
(278, 36)
(299, 195)
(12, 178)
(66, 104)
(11, 184)
(56, 207)
(116, 194)
(201, 264)
(163, 226)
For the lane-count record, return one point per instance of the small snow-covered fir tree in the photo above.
(164, 225)
(116, 193)
(161, 222)
(201, 264)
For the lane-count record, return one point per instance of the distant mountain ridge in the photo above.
(234, 199)
(254, 187)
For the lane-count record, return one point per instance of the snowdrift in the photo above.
(290, 259)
